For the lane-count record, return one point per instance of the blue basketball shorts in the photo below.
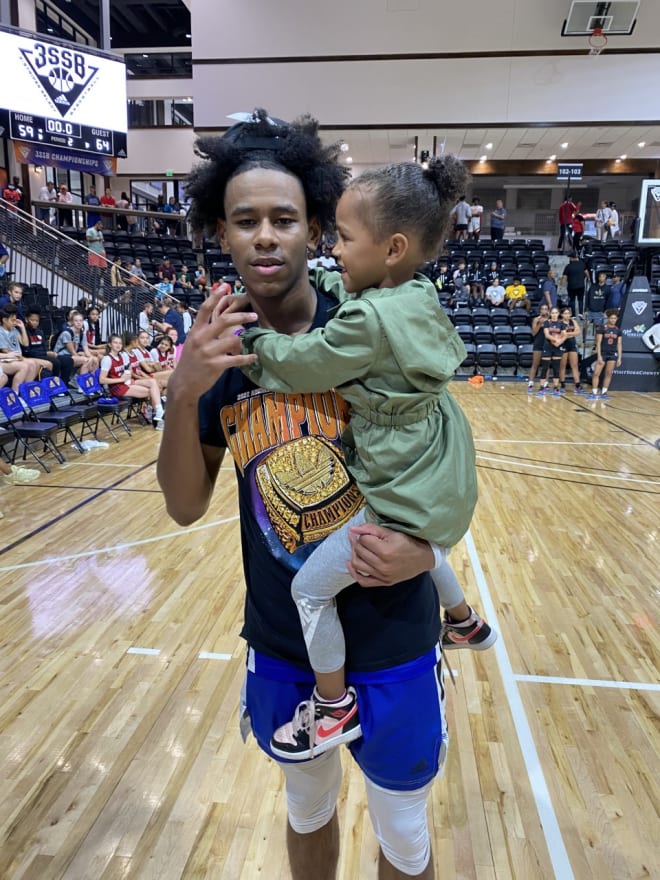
(404, 734)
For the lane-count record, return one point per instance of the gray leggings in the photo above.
(323, 576)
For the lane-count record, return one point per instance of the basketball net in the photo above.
(597, 41)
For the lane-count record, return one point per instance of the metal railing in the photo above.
(68, 274)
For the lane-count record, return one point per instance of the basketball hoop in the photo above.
(597, 41)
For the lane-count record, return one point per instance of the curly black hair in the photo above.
(263, 142)
(407, 197)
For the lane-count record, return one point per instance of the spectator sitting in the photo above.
(444, 283)
(460, 279)
(71, 341)
(139, 347)
(13, 297)
(166, 271)
(516, 295)
(116, 373)
(92, 328)
(495, 293)
(163, 353)
(38, 349)
(200, 277)
(173, 334)
(137, 275)
(183, 280)
(12, 337)
(493, 272)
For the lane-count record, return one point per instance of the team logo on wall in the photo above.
(63, 75)
(639, 306)
(655, 193)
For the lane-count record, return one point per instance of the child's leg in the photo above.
(331, 716)
(314, 589)
(463, 627)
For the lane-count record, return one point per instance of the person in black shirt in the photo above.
(37, 347)
(270, 189)
(574, 276)
(609, 354)
(596, 299)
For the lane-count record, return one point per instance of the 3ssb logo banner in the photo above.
(63, 74)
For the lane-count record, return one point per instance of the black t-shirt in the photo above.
(596, 298)
(294, 490)
(574, 273)
(610, 343)
(37, 346)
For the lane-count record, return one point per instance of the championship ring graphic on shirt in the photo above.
(307, 491)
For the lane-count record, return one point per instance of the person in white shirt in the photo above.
(495, 293)
(47, 193)
(651, 339)
(603, 215)
(474, 225)
(614, 228)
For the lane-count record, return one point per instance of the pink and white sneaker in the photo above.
(317, 725)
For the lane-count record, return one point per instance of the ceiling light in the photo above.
(349, 160)
(553, 157)
(624, 156)
(188, 36)
(548, 161)
(564, 145)
(489, 146)
(483, 158)
(617, 160)
(641, 144)
(343, 147)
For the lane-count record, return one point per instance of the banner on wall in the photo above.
(53, 157)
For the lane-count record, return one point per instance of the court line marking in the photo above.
(590, 682)
(49, 560)
(563, 470)
(152, 652)
(212, 655)
(548, 818)
(557, 442)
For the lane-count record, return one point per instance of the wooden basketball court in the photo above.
(121, 667)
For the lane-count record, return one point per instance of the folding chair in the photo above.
(107, 406)
(28, 433)
(37, 403)
(62, 400)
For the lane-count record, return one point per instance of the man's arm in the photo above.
(187, 469)
(382, 557)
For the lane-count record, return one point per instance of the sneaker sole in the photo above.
(483, 645)
(330, 743)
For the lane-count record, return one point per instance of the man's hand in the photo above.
(212, 345)
(382, 557)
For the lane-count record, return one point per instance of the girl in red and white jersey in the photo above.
(164, 353)
(117, 374)
(142, 364)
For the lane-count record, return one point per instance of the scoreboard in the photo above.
(62, 95)
(60, 133)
